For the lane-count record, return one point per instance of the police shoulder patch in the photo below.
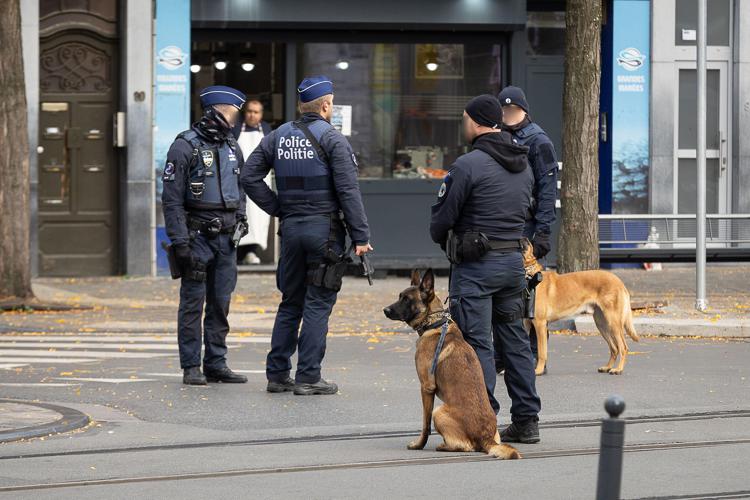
(354, 160)
(443, 190)
(168, 172)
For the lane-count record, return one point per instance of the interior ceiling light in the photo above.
(220, 65)
(431, 66)
(342, 65)
(248, 66)
(194, 68)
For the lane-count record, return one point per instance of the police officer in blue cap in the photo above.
(203, 211)
(543, 162)
(316, 179)
(479, 219)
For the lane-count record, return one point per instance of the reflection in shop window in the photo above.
(401, 105)
(545, 33)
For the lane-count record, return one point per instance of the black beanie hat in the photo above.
(485, 110)
(513, 95)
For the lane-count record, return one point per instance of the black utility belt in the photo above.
(504, 246)
(471, 246)
(211, 228)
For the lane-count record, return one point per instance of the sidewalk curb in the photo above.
(69, 420)
(678, 327)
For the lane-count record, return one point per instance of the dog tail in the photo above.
(628, 315)
(502, 451)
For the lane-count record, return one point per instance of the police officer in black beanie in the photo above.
(478, 220)
(543, 162)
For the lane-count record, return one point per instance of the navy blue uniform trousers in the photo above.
(481, 294)
(304, 239)
(220, 258)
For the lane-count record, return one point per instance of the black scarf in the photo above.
(213, 126)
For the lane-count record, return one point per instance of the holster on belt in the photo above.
(529, 295)
(174, 267)
(472, 245)
(329, 273)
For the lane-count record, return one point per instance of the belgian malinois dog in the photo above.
(465, 420)
(561, 296)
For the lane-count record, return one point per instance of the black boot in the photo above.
(283, 386)
(319, 387)
(522, 431)
(224, 375)
(193, 376)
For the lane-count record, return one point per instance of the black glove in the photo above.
(541, 245)
(184, 257)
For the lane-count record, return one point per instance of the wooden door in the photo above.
(78, 174)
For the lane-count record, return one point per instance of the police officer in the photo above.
(316, 178)
(543, 163)
(479, 218)
(202, 207)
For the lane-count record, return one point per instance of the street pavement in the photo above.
(688, 404)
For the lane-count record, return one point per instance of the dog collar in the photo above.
(444, 318)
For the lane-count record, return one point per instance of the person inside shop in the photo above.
(248, 132)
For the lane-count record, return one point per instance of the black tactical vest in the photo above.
(213, 177)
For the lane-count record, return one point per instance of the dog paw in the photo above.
(604, 369)
(539, 372)
(417, 444)
(615, 371)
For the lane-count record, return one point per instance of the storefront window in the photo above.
(400, 105)
(545, 33)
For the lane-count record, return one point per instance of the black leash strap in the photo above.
(310, 137)
(439, 347)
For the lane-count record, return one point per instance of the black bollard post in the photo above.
(610, 451)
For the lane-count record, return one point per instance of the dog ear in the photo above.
(427, 285)
(415, 278)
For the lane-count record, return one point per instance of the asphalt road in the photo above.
(153, 436)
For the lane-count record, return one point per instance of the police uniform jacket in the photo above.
(543, 162)
(193, 157)
(307, 183)
(487, 190)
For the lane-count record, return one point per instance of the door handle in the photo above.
(722, 151)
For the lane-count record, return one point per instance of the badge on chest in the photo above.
(208, 158)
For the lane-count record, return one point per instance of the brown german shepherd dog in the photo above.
(465, 420)
(561, 296)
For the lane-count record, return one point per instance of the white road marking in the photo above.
(107, 380)
(90, 345)
(90, 337)
(19, 350)
(80, 354)
(27, 360)
(35, 384)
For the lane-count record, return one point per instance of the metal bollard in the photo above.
(610, 450)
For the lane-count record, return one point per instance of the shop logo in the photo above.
(172, 57)
(631, 59)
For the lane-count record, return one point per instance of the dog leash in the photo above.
(446, 321)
